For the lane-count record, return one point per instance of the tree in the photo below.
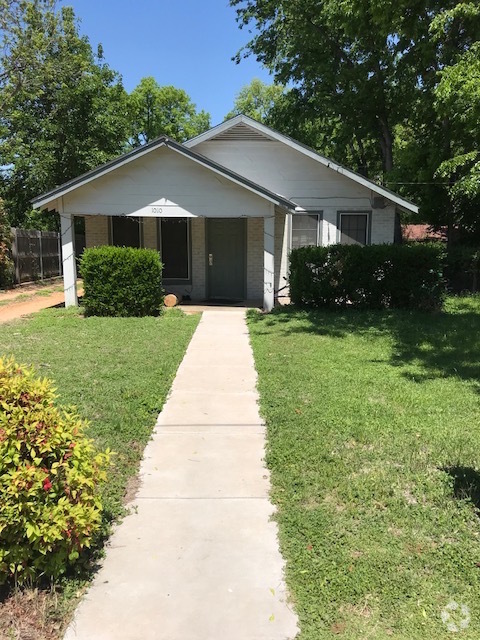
(257, 100)
(156, 110)
(458, 99)
(348, 61)
(62, 115)
(364, 76)
(17, 51)
(361, 63)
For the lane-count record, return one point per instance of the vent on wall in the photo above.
(240, 131)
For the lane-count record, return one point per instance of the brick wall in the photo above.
(150, 235)
(96, 231)
(255, 258)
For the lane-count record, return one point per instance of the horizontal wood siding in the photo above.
(165, 183)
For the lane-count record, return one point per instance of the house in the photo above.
(423, 233)
(224, 209)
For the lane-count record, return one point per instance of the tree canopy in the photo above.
(61, 115)
(257, 100)
(370, 81)
(63, 110)
(156, 110)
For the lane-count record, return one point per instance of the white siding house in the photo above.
(224, 209)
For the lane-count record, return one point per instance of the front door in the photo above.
(226, 258)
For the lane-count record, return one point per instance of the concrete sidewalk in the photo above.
(198, 557)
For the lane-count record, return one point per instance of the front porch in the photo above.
(228, 260)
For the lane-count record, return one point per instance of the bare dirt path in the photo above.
(36, 303)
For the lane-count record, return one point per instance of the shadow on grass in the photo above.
(439, 345)
(466, 484)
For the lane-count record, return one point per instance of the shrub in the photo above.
(121, 281)
(6, 263)
(462, 268)
(373, 277)
(49, 473)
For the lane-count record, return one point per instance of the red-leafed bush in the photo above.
(49, 476)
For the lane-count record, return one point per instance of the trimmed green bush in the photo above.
(121, 281)
(49, 476)
(373, 277)
(462, 269)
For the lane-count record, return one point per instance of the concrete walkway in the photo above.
(198, 557)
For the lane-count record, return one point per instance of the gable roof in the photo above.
(163, 141)
(236, 128)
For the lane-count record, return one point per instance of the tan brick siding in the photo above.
(198, 266)
(96, 231)
(150, 235)
(255, 258)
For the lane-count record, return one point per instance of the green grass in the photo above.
(374, 447)
(116, 371)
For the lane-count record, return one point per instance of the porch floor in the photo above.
(211, 305)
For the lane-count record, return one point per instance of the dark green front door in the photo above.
(226, 258)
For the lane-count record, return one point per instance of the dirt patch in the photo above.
(34, 303)
(133, 484)
(31, 289)
(33, 614)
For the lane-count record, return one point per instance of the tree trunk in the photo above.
(386, 144)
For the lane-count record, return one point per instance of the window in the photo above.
(174, 248)
(125, 231)
(354, 228)
(305, 230)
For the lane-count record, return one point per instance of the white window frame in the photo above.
(365, 212)
(188, 279)
(316, 212)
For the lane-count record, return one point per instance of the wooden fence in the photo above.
(36, 254)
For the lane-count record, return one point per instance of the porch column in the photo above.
(68, 260)
(268, 261)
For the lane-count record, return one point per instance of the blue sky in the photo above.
(186, 43)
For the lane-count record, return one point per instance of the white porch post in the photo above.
(68, 260)
(268, 261)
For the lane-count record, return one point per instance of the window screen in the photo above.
(305, 230)
(125, 231)
(174, 248)
(353, 228)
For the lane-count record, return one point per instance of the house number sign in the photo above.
(157, 210)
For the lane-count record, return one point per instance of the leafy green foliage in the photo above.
(373, 427)
(6, 264)
(257, 100)
(49, 472)
(380, 86)
(156, 110)
(63, 111)
(462, 268)
(121, 281)
(458, 99)
(372, 277)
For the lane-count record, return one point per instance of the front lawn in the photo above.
(117, 372)
(374, 446)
